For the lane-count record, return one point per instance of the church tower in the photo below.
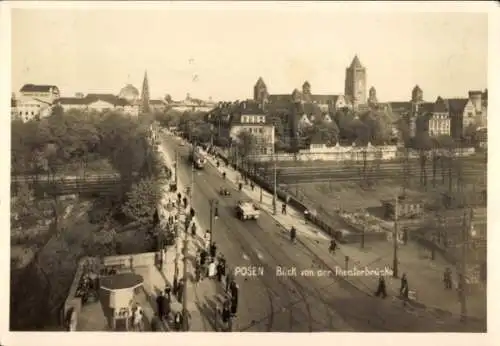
(145, 94)
(260, 93)
(306, 91)
(372, 96)
(355, 82)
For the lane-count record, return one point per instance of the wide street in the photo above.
(287, 304)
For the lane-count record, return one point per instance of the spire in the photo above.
(260, 82)
(356, 63)
(145, 93)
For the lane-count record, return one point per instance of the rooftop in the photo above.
(38, 88)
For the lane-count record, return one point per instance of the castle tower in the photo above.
(260, 93)
(145, 94)
(355, 82)
(417, 95)
(372, 96)
(306, 91)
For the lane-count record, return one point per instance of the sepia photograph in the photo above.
(224, 167)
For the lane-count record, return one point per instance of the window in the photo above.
(261, 130)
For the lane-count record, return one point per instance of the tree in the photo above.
(25, 210)
(247, 145)
(142, 201)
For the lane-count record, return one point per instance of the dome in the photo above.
(129, 93)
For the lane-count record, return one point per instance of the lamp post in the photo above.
(213, 215)
(395, 238)
(274, 186)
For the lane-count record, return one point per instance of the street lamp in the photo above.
(274, 185)
(214, 214)
(395, 238)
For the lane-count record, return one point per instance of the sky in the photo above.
(220, 52)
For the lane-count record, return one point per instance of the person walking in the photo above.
(213, 250)
(218, 271)
(293, 234)
(283, 208)
(447, 279)
(229, 279)
(212, 269)
(180, 290)
(404, 289)
(178, 321)
(252, 185)
(160, 304)
(381, 289)
(333, 246)
(137, 318)
(156, 323)
(185, 202)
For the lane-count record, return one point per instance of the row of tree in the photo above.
(77, 138)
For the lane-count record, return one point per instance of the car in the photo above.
(247, 210)
(224, 192)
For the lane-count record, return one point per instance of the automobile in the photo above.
(247, 210)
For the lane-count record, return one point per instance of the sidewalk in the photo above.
(425, 276)
(200, 294)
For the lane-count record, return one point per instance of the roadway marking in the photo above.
(259, 255)
(245, 257)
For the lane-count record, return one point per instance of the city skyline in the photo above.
(99, 51)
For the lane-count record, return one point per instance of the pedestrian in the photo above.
(212, 269)
(180, 290)
(193, 230)
(219, 271)
(240, 186)
(137, 318)
(333, 246)
(404, 290)
(179, 198)
(293, 234)
(224, 175)
(226, 316)
(381, 289)
(234, 304)
(306, 215)
(206, 237)
(283, 209)
(168, 291)
(167, 302)
(197, 271)
(447, 278)
(213, 250)
(217, 163)
(178, 320)
(252, 185)
(156, 323)
(160, 304)
(185, 202)
(229, 279)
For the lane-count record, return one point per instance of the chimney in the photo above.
(476, 98)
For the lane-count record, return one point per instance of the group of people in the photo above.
(163, 304)
(404, 289)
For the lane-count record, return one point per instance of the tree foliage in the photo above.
(79, 137)
(142, 201)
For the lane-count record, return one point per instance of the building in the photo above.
(100, 103)
(31, 108)
(158, 105)
(13, 108)
(251, 118)
(439, 122)
(35, 101)
(79, 102)
(355, 89)
(44, 93)
(355, 83)
(462, 114)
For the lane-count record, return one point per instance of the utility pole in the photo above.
(274, 186)
(191, 190)
(176, 169)
(395, 238)
(185, 312)
(213, 205)
(468, 215)
(177, 237)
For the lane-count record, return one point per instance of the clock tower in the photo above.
(355, 82)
